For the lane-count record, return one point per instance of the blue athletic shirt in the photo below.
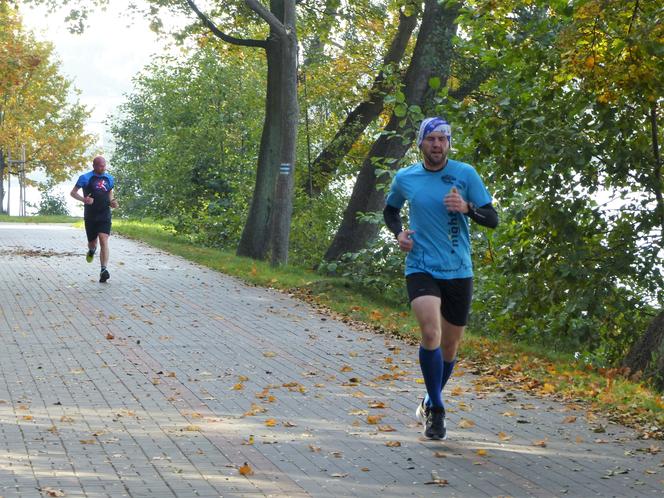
(441, 241)
(99, 186)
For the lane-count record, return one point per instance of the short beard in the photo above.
(428, 161)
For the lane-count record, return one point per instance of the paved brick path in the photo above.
(198, 367)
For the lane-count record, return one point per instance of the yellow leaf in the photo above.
(466, 424)
(504, 437)
(242, 378)
(457, 391)
(419, 381)
(569, 420)
(238, 387)
(28, 417)
(376, 404)
(386, 428)
(87, 441)
(269, 354)
(249, 441)
(374, 419)
(246, 470)
(346, 368)
(541, 443)
(270, 422)
(393, 444)
(192, 428)
(508, 414)
(482, 452)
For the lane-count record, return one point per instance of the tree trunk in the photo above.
(254, 242)
(648, 348)
(431, 57)
(327, 162)
(2, 181)
(283, 204)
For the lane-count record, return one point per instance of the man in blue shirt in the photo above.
(98, 200)
(442, 194)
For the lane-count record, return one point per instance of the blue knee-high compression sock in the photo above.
(448, 368)
(431, 363)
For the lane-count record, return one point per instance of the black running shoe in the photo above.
(435, 428)
(104, 275)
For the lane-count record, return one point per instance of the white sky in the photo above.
(100, 63)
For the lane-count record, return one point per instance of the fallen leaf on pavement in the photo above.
(504, 437)
(466, 424)
(374, 419)
(392, 444)
(52, 492)
(246, 470)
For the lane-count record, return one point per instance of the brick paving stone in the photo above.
(199, 362)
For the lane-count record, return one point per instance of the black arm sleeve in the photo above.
(485, 215)
(392, 219)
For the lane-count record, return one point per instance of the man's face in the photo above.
(435, 147)
(99, 166)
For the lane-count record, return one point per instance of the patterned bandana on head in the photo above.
(429, 125)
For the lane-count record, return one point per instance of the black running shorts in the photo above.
(455, 295)
(94, 228)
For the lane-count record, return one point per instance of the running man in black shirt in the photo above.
(98, 199)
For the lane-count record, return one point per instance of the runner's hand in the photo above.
(405, 242)
(454, 202)
(88, 199)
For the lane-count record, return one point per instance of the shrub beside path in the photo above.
(174, 380)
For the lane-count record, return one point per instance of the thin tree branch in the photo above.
(220, 34)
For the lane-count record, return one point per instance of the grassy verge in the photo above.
(501, 364)
(39, 219)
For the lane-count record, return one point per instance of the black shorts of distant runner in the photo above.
(94, 228)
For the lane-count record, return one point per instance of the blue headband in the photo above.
(430, 125)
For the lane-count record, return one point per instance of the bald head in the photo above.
(99, 164)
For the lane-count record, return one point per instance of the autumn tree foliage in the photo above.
(35, 110)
